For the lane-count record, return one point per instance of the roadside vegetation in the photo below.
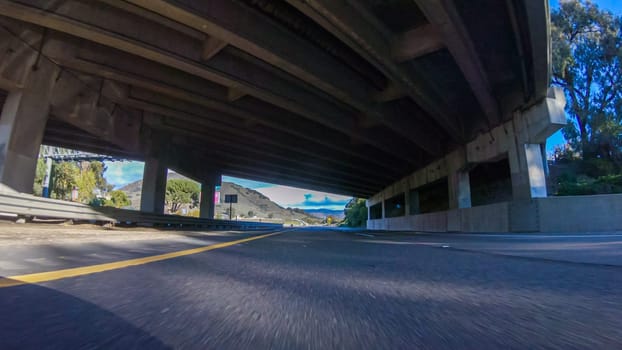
(79, 181)
(587, 65)
(356, 213)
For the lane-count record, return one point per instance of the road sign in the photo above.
(231, 198)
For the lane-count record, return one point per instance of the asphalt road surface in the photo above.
(318, 289)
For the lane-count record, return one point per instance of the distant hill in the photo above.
(249, 202)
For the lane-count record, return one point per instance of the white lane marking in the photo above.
(365, 235)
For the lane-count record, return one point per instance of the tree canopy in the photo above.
(180, 192)
(587, 64)
(356, 213)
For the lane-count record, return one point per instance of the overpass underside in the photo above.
(418, 99)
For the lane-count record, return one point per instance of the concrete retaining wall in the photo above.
(552, 214)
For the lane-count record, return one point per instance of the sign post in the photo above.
(231, 198)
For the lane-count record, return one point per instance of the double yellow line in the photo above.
(87, 270)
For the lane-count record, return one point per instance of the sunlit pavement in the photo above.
(322, 289)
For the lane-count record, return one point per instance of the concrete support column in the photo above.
(527, 153)
(207, 205)
(528, 171)
(459, 190)
(384, 209)
(154, 186)
(414, 203)
(407, 202)
(22, 124)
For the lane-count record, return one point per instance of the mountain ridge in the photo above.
(249, 202)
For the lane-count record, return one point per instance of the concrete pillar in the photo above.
(407, 202)
(528, 171)
(459, 190)
(384, 209)
(527, 153)
(413, 203)
(154, 186)
(207, 205)
(22, 124)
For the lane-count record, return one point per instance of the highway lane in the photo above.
(319, 289)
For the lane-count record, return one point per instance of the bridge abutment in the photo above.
(518, 145)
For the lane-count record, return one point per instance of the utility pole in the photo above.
(46, 178)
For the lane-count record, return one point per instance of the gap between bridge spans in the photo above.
(39, 277)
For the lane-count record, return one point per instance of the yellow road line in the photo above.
(87, 270)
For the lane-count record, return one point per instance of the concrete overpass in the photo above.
(409, 103)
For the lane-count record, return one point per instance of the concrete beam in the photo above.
(445, 17)
(417, 42)
(391, 93)
(262, 157)
(228, 71)
(211, 47)
(310, 170)
(348, 21)
(266, 40)
(234, 94)
(205, 128)
(249, 110)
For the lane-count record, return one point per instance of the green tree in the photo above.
(64, 175)
(98, 169)
(251, 213)
(86, 181)
(118, 199)
(37, 187)
(180, 192)
(356, 213)
(587, 61)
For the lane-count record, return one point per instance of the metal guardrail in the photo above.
(25, 205)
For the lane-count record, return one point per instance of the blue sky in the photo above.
(614, 6)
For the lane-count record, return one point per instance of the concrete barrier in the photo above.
(551, 214)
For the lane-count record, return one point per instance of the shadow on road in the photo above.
(62, 321)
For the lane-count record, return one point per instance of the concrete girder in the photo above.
(445, 17)
(298, 184)
(16, 58)
(215, 119)
(264, 39)
(348, 22)
(250, 167)
(249, 110)
(76, 101)
(538, 17)
(211, 47)
(226, 71)
(188, 165)
(311, 170)
(208, 129)
(278, 158)
(417, 42)
(81, 140)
